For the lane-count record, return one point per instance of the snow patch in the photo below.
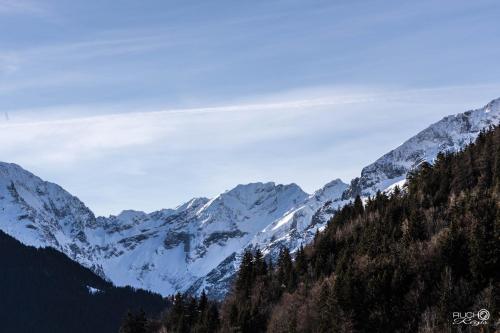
(93, 290)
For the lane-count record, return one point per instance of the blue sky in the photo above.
(144, 104)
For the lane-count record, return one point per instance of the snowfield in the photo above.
(197, 245)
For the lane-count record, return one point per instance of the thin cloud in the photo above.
(54, 65)
(69, 141)
(87, 49)
(22, 7)
(152, 160)
(297, 100)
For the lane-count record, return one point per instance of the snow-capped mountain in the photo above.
(299, 225)
(451, 133)
(167, 251)
(164, 251)
(198, 244)
(40, 213)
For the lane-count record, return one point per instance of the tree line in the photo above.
(402, 261)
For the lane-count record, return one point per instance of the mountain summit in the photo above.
(164, 251)
(198, 245)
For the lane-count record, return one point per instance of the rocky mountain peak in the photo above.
(331, 190)
(451, 133)
(250, 195)
(197, 245)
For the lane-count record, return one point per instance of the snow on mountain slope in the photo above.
(164, 251)
(40, 213)
(295, 227)
(198, 244)
(167, 251)
(451, 133)
(298, 227)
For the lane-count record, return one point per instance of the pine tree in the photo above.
(259, 265)
(212, 319)
(286, 274)
(244, 279)
(326, 308)
(485, 163)
(416, 227)
(301, 261)
(135, 323)
(203, 302)
(358, 206)
(484, 248)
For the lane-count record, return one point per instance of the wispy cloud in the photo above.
(76, 135)
(22, 7)
(98, 47)
(73, 75)
(85, 49)
(157, 159)
(67, 63)
(71, 140)
(54, 65)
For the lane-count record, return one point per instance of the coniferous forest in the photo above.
(43, 291)
(399, 262)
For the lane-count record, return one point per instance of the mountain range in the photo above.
(197, 245)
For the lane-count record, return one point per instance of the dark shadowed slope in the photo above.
(41, 290)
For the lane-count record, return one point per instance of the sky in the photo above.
(146, 104)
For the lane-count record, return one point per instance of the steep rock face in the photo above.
(451, 133)
(198, 245)
(298, 227)
(40, 213)
(167, 251)
(295, 227)
(164, 251)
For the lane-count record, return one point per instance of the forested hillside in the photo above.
(43, 291)
(399, 262)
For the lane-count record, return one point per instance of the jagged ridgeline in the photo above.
(43, 291)
(399, 262)
(204, 239)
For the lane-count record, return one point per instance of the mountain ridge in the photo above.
(197, 245)
(451, 133)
